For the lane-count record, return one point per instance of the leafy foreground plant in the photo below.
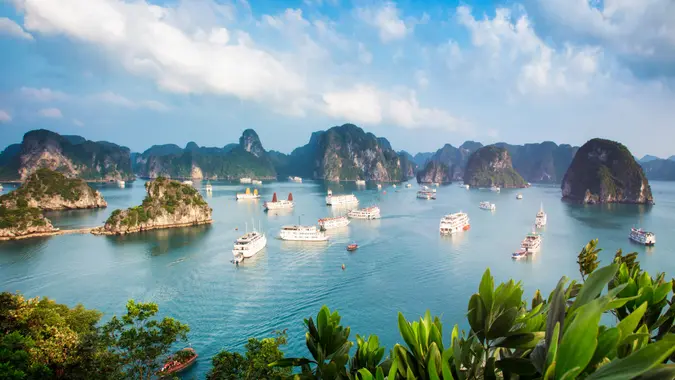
(556, 338)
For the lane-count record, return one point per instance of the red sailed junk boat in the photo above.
(276, 204)
(178, 361)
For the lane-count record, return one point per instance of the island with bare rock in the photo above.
(168, 204)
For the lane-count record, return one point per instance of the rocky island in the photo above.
(45, 190)
(167, 204)
(604, 171)
(491, 166)
(74, 156)
(447, 164)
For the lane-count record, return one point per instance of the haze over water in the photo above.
(403, 264)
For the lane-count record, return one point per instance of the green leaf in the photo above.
(519, 366)
(502, 325)
(290, 362)
(663, 372)
(628, 325)
(579, 341)
(447, 373)
(556, 313)
(379, 375)
(393, 369)
(486, 289)
(489, 373)
(661, 292)
(433, 373)
(593, 286)
(407, 333)
(476, 316)
(553, 346)
(365, 374)
(520, 340)
(409, 375)
(637, 363)
(608, 341)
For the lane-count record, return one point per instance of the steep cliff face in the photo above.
(73, 156)
(605, 171)
(408, 165)
(167, 204)
(246, 159)
(21, 222)
(347, 153)
(49, 190)
(544, 162)
(492, 166)
(447, 164)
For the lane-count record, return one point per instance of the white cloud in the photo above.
(122, 101)
(387, 21)
(53, 113)
(5, 117)
(360, 105)
(42, 94)
(365, 56)
(11, 28)
(78, 123)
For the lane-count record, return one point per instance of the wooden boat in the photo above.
(174, 364)
(352, 247)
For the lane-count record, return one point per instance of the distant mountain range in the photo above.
(343, 152)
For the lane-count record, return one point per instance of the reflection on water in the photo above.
(163, 240)
(607, 216)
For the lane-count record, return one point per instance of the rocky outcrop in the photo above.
(21, 222)
(74, 156)
(346, 153)
(408, 165)
(246, 159)
(167, 204)
(544, 162)
(447, 164)
(605, 171)
(492, 166)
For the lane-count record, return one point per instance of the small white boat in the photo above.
(330, 223)
(121, 184)
(360, 182)
(295, 179)
(394, 185)
(435, 184)
(454, 223)
(541, 219)
(340, 200)
(248, 195)
(372, 212)
(519, 254)
(187, 182)
(487, 206)
(208, 187)
(302, 233)
(495, 189)
(641, 236)
(379, 186)
(467, 187)
(279, 204)
(408, 185)
(427, 194)
(256, 182)
(245, 180)
(519, 196)
(248, 245)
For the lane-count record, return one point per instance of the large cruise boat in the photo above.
(643, 237)
(487, 206)
(295, 179)
(372, 212)
(245, 180)
(337, 222)
(425, 193)
(276, 204)
(248, 195)
(454, 223)
(360, 182)
(121, 184)
(256, 182)
(541, 218)
(495, 189)
(531, 243)
(302, 233)
(248, 245)
(339, 200)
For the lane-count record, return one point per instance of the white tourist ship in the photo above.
(394, 186)
(121, 184)
(336, 222)
(248, 195)
(541, 218)
(379, 186)
(467, 187)
(360, 182)
(641, 236)
(529, 246)
(408, 185)
(495, 189)
(340, 200)
(454, 223)
(302, 233)
(425, 193)
(295, 179)
(279, 204)
(245, 180)
(372, 212)
(248, 245)
(209, 188)
(256, 182)
(487, 206)
(519, 196)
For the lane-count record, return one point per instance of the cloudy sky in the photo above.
(419, 73)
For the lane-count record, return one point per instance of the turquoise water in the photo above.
(402, 263)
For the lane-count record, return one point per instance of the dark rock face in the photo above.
(346, 153)
(246, 159)
(605, 171)
(492, 166)
(447, 164)
(544, 162)
(73, 156)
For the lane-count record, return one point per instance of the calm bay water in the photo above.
(403, 264)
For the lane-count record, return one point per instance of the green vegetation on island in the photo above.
(510, 337)
(168, 203)
(73, 156)
(491, 166)
(604, 171)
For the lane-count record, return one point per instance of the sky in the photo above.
(420, 73)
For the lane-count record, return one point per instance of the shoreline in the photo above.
(56, 232)
(99, 231)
